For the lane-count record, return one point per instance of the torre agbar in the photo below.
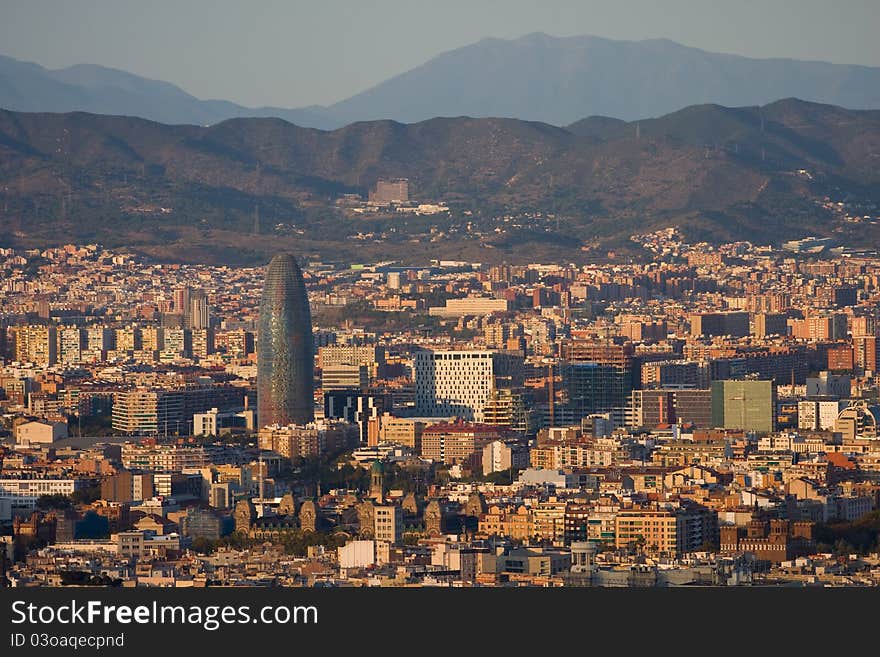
(285, 355)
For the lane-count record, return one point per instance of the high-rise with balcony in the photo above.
(285, 351)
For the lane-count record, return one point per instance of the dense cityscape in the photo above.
(703, 416)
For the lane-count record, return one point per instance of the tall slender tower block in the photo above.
(285, 353)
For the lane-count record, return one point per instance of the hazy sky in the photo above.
(293, 53)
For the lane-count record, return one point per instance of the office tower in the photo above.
(459, 383)
(285, 352)
(599, 351)
(198, 312)
(594, 387)
(345, 377)
(596, 377)
(748, 405)
(693, 407)
(180, 298)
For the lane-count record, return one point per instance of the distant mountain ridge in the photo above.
(555, 80)
(27, 87)
(248, 186)
(559, 80)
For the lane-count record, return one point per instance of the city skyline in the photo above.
(415, 295)
(712, 411)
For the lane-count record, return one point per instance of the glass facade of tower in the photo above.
(285, 352)
(595, 387)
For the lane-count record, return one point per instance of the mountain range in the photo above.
(555, 80)
(246, 187)
(28, 87)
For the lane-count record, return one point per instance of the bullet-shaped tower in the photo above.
(285, 352)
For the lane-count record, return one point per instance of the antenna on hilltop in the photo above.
(638, 130)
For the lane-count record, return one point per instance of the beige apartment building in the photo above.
(401, 431)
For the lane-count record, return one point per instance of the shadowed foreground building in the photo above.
(285, 354)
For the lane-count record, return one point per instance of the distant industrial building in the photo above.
(390, 191)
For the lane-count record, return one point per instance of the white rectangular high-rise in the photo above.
(459, 383)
